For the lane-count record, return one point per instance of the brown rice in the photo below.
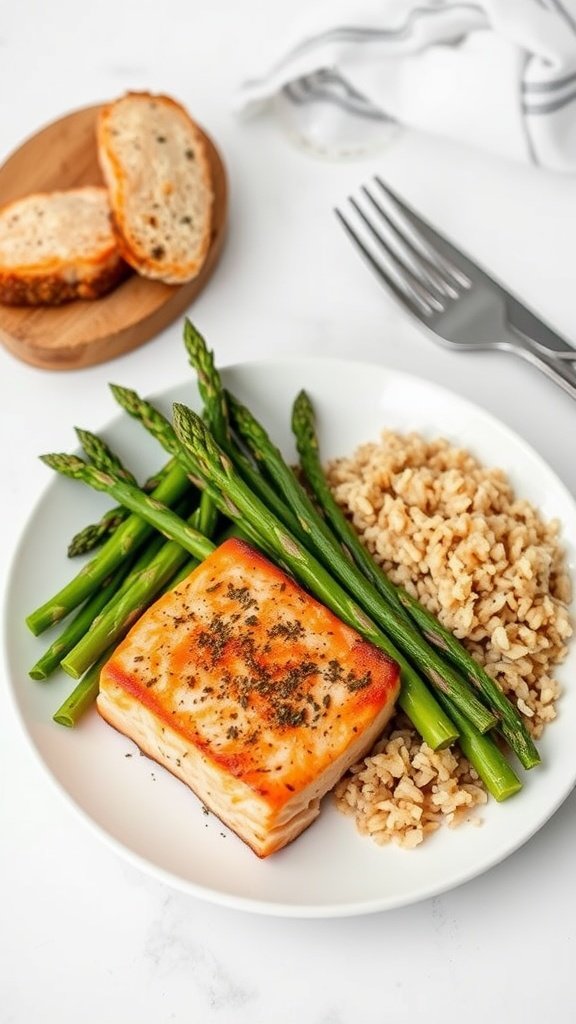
(454, 534)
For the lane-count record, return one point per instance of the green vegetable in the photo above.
(101, 455)
(510, 722)
(139, 591)
(126, 541)
(212, 392)
(246, 508)
(82, 696)
(150, 509)
(485, 756)
(321, 540)
(216, 466)
(85, 693)
(75, 630)
(209, 383)
(91, 536)
(94, 534)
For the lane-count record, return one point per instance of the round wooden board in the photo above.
(82, 333)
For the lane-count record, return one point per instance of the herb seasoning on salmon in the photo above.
(251, 692)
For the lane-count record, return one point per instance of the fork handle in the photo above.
(560, 371)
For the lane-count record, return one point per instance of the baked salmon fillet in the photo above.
(251, 692)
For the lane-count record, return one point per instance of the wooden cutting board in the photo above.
(82, 333)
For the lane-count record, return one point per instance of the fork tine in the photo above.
(403, 291)
(415, 259)
(430, 295)
(435, 246)
(401, 267)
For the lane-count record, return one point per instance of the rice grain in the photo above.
(485, 562)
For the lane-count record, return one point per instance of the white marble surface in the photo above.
(84, 936)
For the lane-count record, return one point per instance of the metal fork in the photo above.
(460, 304)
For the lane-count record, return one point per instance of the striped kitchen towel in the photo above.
(499, 74)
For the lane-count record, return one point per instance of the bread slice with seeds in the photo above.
(58, 246)
(155, 164)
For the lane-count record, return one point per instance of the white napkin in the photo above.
(500, 74)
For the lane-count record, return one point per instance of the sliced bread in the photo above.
(58, 246)
(155, 164)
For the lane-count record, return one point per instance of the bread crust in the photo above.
(51, 289)
(153, 256)
(56, 277)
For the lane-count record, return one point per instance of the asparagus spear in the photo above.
(216, 417)
(511, 724)
(138, 592)
(164, 568)
(160, 427)
(304, 430)
(142, 586)
(88, 614)
(150, 508)
(104, 458)
(83, 695)
(125, 541)
(206, 515)
(209, 383)
(497, 775)
(415, 699)
(101, 455)
(248, 508)
(50, 660)
(171, 554)
(96, 533)
(214, 397)
(214, 407)
(437, 729)
(157, 424)
(483, 753)
(321, 539)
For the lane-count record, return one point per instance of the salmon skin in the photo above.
(250, 691)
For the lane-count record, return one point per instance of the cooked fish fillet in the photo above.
(251, 692)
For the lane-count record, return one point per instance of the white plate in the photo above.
(154, 820)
